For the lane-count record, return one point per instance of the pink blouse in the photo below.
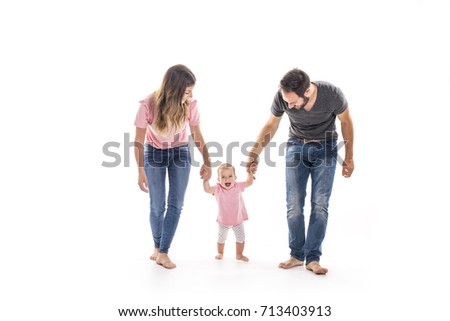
(175, 138)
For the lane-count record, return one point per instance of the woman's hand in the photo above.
(205, 172)
(142, 181)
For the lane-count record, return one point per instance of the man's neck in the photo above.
(312, 98)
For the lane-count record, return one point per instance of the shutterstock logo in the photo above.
(122, 153)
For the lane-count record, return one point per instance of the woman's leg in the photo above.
(155, 169)
(179, 169)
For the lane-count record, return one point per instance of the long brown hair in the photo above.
(170, 112)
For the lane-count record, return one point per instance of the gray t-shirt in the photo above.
(319, 122)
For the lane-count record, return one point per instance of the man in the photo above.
(311, 151)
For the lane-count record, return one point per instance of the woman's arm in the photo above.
(139, 155)
(205, 170)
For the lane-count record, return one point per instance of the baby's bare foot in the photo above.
(164, 260)
(290, 263)
(316, 268)
(242, 258)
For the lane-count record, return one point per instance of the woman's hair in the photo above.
(296, 81)
(225, 165)
(170, 112)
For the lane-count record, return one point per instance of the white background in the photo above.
(74, 234)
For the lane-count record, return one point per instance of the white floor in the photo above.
(386, 260)
(374, 273)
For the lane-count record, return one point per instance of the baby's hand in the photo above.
(252, 169)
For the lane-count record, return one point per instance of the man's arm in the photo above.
(264, 137)
(347, 134)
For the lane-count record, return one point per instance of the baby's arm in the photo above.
(249, 180)
(207, 188)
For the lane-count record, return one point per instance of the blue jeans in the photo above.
(318, 160)
(176, 162)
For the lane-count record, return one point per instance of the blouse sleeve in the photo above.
(143, 115)
(194, 115)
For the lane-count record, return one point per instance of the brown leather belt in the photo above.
(305, 140)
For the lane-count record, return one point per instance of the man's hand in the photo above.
(252, 165)
(347, 167)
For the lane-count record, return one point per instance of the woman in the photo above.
(161, 149)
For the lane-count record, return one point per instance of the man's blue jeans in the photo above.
(318, 160)
(176, 162)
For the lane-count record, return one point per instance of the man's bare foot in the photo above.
(290, 263)
(154, 255)
(242, 258)
(164, 260)
(316, 268)
(219, 256)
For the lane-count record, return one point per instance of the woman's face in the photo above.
(188, 93)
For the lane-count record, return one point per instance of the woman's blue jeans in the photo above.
(160, 163)
(305, 159)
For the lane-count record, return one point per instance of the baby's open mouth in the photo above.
(227, 184)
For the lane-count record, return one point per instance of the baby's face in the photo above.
(226, 178)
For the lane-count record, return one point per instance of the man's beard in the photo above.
(305, 101)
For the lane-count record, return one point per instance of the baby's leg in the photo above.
(223, 233)
(220, 247)
(239, 232)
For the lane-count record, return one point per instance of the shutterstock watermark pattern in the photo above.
(120, 153)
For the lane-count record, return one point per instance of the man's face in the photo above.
(293, 100)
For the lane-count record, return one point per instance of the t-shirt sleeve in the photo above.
(341, 102)
(240, 186)
(143, 115)
(216, 189)
(277, 107)
(194, 115)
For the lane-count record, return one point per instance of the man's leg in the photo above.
(297, 173)
(322, 177)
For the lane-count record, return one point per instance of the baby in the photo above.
(232, 211)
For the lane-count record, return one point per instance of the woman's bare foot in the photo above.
(219, 256)
(154, 255)
(316, 268)
(164, 260)
(241, 257)
(290, 263)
